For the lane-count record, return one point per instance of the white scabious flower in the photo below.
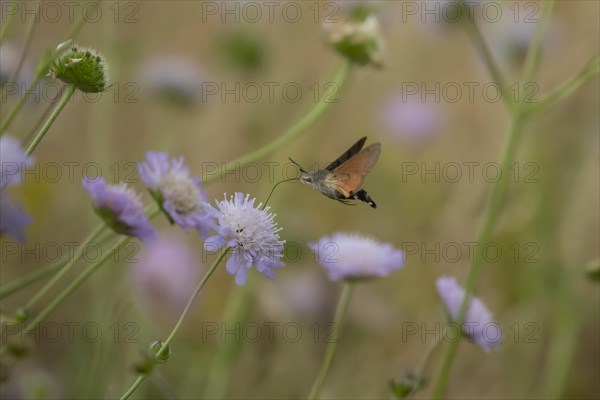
(355, 257)
(251, 232)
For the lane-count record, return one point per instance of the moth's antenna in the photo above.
(272, 190)
(297, 165)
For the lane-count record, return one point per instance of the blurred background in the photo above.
(185, 79)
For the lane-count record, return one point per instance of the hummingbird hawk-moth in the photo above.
(343, 178)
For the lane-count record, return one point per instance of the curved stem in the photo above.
(40, 135)
(93, 236)
(290, 134)
(237, 310)
(534, 52)
(590, 70)
(331, 346)
(68, 290)
(177, 326)
(31, 278)
(484, 51)
(41, 72)
(487, 223)
(41, 273)
(28, 36)
(519, 116)
(10, 18)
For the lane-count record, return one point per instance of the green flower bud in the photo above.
(164, 356)
(21, 315)
(18, 350)
(407, 385)
(359, 40)
(85, 68)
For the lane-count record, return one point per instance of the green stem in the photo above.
(290, 134)
(76, 257)
(420, 380)
(13, 287)
(41, 72)
(28, 37)
(184, 314)
(491, 213)
(237, 310)
(494, 202)
(63, 102)
(482, 48)
(590, 70)
(10, 18)
(68, 290)
(331, 346)
(31, 278)
(534, 51)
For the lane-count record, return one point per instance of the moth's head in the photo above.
(306, 178)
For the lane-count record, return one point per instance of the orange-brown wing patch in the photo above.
(362, 162)
(348, 183)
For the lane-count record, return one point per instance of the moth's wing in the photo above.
(350, 175)
(347, 154)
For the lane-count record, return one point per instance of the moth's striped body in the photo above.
(343, 178)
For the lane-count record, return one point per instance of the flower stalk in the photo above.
(55, 113)
(165, 345)
(340, 312)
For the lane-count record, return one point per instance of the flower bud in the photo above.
(357, 39)
(85, 68)
(405, 386)
(164, 356)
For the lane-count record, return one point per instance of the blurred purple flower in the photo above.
(12, 218)
(173, 79)
(179, 195)
(166, 273)
(411, 120)
(12, 161)
(479, 327)
(120, 208)
(355, 257)
(251, 232)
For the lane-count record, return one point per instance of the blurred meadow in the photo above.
(215, 81)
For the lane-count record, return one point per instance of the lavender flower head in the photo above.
(12, 160)
(179, 195)
(411, 120)
(166, 274)
(479, 327)
(251, 232)
(14, 220)
(120, 208)
(355, 257)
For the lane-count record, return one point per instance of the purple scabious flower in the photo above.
(12, 161)
(12, 218)
(479, 327)
(166, 274)
(355, 257)
(251, 232)
(179, 195)
(120, 208)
